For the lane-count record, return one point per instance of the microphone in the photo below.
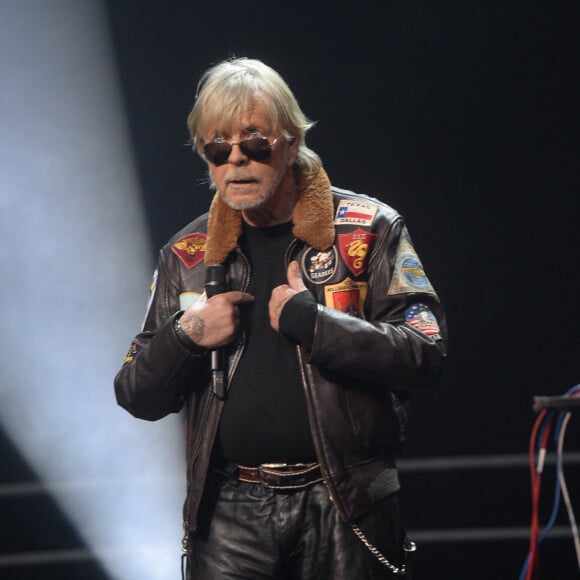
(215, 283)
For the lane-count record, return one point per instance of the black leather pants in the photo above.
(249, 532)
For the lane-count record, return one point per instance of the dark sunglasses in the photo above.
(256, 148)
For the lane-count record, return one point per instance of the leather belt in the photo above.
(281, 475)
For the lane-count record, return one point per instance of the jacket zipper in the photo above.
(238, 354)
(314, 432)
(194, 455)
(249, 269)
(206, 410)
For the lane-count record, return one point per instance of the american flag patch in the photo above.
(420, 317)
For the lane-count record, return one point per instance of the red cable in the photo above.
(543, 447)
(536, 478)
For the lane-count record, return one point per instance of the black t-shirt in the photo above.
(264, 418)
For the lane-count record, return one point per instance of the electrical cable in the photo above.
(538, 444)
(563, 485)
(557, 491)
(536, 471)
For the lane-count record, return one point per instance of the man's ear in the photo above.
(293, 151)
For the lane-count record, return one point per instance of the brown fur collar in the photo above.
(313, 218)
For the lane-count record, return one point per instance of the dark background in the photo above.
(464, 117)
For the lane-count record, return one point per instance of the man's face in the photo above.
(243, 183)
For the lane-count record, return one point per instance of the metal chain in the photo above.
(408, 548)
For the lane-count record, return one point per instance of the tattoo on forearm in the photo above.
(194, 328)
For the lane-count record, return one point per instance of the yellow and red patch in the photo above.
(347, 296)
(354, 249)
(190, 249)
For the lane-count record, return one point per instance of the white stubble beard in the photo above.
(244, 205)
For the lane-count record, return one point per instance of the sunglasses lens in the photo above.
(257, 149)
(217, 153)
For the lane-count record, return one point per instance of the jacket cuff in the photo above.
(185, 341)
(298, 319)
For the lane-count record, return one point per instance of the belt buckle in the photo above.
(274, 476)
(266, 475)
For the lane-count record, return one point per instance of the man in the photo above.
(294, 374)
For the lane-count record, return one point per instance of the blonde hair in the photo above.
(229, 89)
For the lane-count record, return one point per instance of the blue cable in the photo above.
(524, 571)
(557, 489)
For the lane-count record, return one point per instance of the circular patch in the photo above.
(412, 270)
(319, 266)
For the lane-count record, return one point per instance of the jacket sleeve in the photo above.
(387, 346)
(159, 370)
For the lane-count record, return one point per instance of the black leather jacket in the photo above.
(368, 348)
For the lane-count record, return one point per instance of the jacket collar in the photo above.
(313, 219)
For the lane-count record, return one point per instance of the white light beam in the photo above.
(76, 266)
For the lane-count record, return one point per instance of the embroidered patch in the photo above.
(347, 296)
(420, 317)
(186, 299)
(190, 249)
(354, 248)
(360, 213)
(319, 266)
(408, 275)
(132, 352)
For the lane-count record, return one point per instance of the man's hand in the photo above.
(213, 323)
(281, 294)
